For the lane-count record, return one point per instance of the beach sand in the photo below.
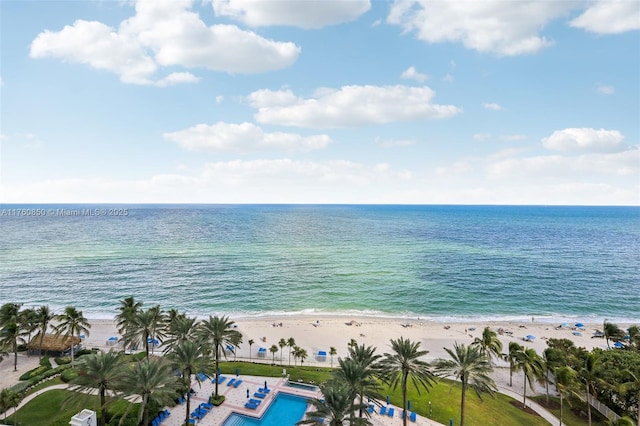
(323, 332)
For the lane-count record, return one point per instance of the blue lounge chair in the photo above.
(391, 412)
(413, 416)
(221, 379)
(383, 410)
(264, 390)
(237, 383)
(166, 412)
(231, 382)
(371, 409)
(255, 401)
(181, 400)
(192, 422)
(259, 395)
(206, 405)
(250, 406)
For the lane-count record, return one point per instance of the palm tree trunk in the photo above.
(186, 416)
(146, 410)
(462, 401)
(560, 409)
(15, 356)
(72, 351)
(510, 374)
(546, 384)
(404, 397)
(217, 369)
(41, 340)
(524, 392)
(588, 405)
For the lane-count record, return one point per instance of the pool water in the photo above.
(285, 410)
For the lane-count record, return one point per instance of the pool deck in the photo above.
(235, 398)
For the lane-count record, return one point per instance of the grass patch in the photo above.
(54, 381)
(46, 409)
(315, 375)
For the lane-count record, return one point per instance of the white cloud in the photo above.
(349, 106)
(492, 106)
(609, 17)
(448, 78)
(163, 33)
(393, 143)
(308, 14)
(606, 90)
(502, 27)
(219, 99)
(243, 138)
(514, 137)
(481, 136)
(585, 140)
(413, 74)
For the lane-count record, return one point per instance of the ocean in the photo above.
(444, 263)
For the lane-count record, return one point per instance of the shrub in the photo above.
(68, 375)
(19, 387)
(45, 362)
(63, 360)
(217, 401)
(33, 373)
(139, 356)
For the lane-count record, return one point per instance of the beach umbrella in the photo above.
(265, 385)
(579, 324)
(247, 393)
(618, 345)
(387, 399)
(237, 372)
(409, 405)
(530, 337)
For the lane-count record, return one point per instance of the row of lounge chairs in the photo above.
(233, 382)
(390, 411)
(160, 417)
(253, 404)
(200, 412)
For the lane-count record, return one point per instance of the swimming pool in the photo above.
(285, 410)
(302, 386)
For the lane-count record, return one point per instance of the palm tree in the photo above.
(151, 379)
(553, 358)
(489, 343)
(404, 365)
(472, 366)
(9, 399)
(336, 407)
(127, 311)
(103, 371)
(612, 332)
(72, 322)
(44, 316)
(332, 353)
(218, 331)
(566, 379)
(11, 336)
(28, 322)
(274, 350)
(291, 343)
(366, 357)
(589, 374)
(360, 379)
(514, 352)
(532, 367)
(300, 353)
(179, 329)
(634, 337)
(282, 343)
(250, 342)
(189, 357)
(142, 328)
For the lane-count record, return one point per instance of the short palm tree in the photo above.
(367, 358)
(250, 342)
(470, 365)
(403, 365)
(44, 316)
(512, 357)
(127, 311)
(189, 357)
(103, 371)
(151, 379)
(72, 323)
(11, 336)
(490, 344)
(143, 327)
(282, 343)
(590, 375)
(612, 332)
(218, 331)
(336, 408)
(178, 329)
(532, 367)
(360, 379)
(274, 350)
(291, 343)
(9, 399)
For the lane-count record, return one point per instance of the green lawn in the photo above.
(569, 417)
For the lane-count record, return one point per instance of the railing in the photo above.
(603, 409)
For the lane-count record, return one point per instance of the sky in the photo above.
(304, 101)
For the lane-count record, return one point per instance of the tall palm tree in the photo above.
(178, 329)
(336, 408)
(532, 367)
(103, 371)
(403, 365)
(566, 380)
(360, 379)
(291, 343)
(366, 357)
(274, 350)
(218, 331)
(151, 379)
(143, 327)
(471, 365)
(332, 352)
(490, 344)
(612, 332)
(512, 357)
(589, 374)
(28, 322)
(44, 316)
(633, 385)
(189, 357)
(11, 336)
(553, 358)
(72, 323)
(127, 311)
(250, 342)
(282, 343)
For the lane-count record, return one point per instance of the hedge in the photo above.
(34, 372)
(45, 362)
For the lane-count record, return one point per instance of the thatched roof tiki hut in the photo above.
(52, 344)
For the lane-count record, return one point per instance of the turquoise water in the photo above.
(441, 262)
(285, 410)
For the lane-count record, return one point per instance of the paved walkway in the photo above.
(543, 412)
